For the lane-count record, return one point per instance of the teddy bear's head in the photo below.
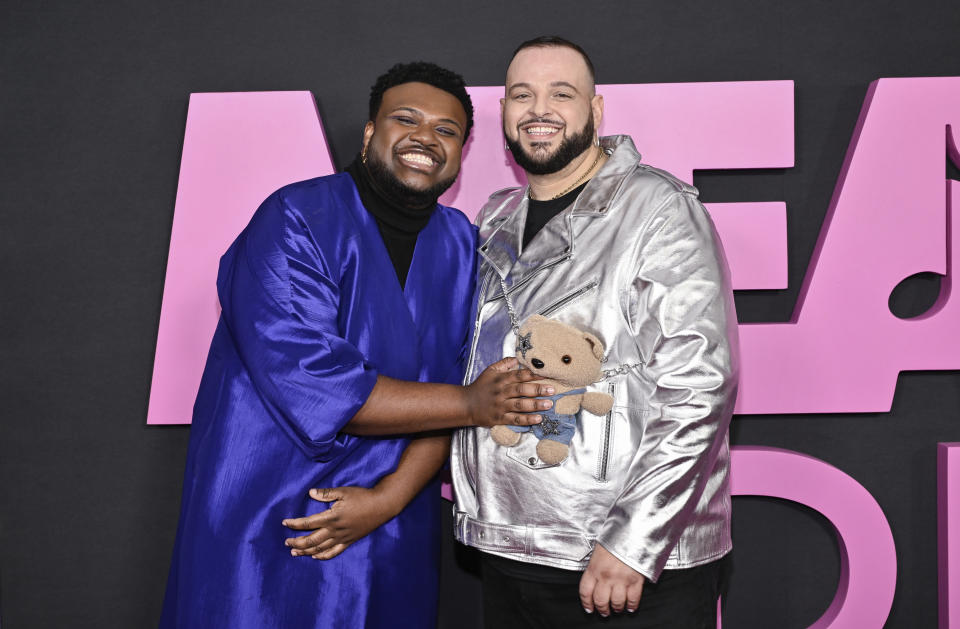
(554, 350)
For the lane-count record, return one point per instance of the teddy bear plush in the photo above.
(568, 359)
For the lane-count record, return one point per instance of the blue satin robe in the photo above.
(312, 311)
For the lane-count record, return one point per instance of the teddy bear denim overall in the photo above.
(555, 426)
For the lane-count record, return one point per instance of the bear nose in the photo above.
(536, 362)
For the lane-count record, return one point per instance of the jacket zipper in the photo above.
(517, 286)
(462, 434)
(563, 301)
(605, 442)
(476, 325)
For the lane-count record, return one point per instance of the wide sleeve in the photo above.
(686, 331)
(280, 301)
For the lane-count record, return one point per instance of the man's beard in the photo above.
(569, 148)
(398, 192)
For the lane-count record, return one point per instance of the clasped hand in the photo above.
(355, 512)
(502, 394)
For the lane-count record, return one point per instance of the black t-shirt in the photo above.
(539, 213)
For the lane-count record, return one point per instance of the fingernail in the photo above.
(286, 543)
(549, 390)
(284, 522)
(293, 553)
(630, 611)
(589, 611)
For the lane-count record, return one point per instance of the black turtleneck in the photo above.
(399, 226)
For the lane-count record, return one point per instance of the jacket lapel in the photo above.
(556, 242)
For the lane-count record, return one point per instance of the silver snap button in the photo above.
(506, 539)
(532, 461)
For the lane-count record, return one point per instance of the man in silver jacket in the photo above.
(637, 518)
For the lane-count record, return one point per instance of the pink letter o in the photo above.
(868, 560)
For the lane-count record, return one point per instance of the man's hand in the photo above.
(355, 512)
(609, 583)
(503, 395)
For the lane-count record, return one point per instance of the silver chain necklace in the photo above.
(608, 374)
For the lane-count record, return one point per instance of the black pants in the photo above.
(681, 599)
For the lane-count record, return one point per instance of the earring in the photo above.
(363, 155)
(506, 147)
(596, 141)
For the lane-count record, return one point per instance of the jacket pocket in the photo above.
(525, 453)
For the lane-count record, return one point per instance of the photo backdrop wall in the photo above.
(94, 113)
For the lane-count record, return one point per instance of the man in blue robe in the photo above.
(345, 308)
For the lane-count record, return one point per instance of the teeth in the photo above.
(417, 158)
(541, 130)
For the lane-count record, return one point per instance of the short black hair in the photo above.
(547, 41)
(423, 72)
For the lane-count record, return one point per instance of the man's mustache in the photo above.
(416, 147)
(539, 120)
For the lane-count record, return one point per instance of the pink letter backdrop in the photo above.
(240, 147)
(889, 219)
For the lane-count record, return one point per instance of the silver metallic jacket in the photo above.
(635, 261)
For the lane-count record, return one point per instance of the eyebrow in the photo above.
(420, 113)
(564, 84)
(553, 84)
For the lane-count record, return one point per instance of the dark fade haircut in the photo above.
(423, 72)
(548, 41)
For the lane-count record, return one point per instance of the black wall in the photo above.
(93, 101)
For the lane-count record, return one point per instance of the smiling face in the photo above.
(413, 147)
(550, 110)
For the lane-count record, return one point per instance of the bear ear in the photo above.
(595, 345)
